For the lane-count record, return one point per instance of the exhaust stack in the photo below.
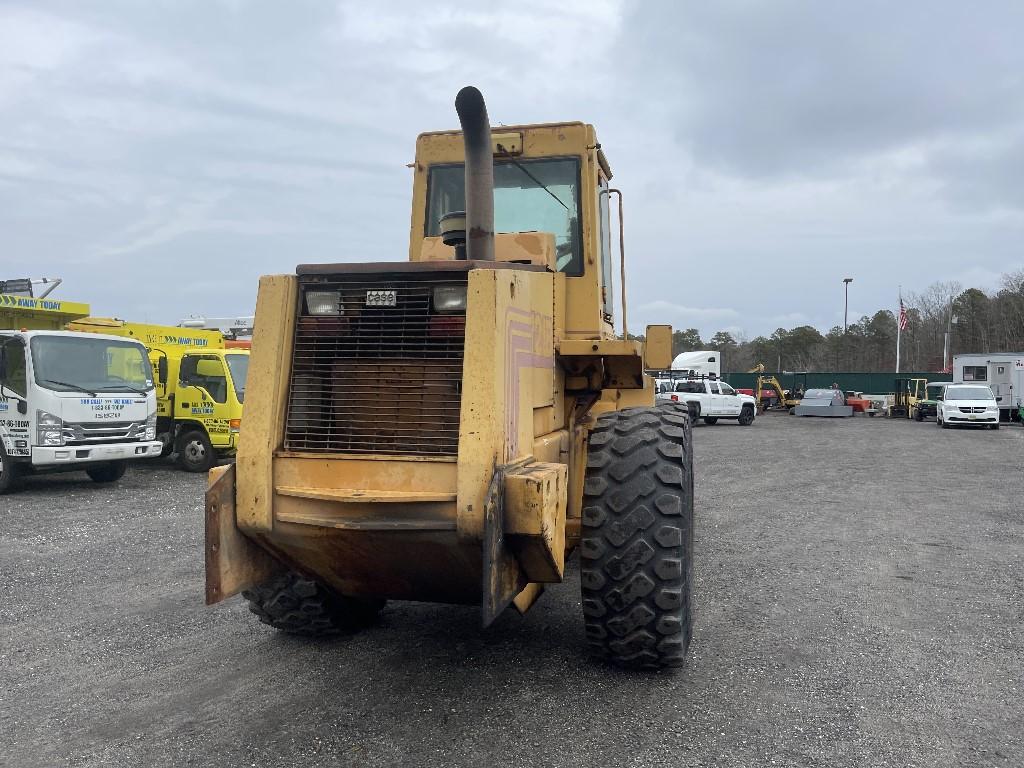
(476, 134)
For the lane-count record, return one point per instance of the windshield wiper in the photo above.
(129, 387)
(502, 152)
(75, 387)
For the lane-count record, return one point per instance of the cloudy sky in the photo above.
(160, 156)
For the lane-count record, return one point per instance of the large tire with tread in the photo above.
(300, 606)
(195, 453)
(637, 538)
(10, 472)
(110, 472)
(746, 415)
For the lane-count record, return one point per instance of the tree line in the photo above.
(978, 321)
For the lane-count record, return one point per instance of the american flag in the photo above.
(903, 316)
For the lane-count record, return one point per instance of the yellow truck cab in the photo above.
(200, 387)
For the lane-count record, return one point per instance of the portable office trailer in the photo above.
(1003, 371)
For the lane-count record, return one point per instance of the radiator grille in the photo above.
(377, 379)
(88, 433)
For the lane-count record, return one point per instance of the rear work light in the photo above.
(323, 302)
(450, 298)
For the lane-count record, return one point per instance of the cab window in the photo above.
(530, 195)
(207, 373)
(727, 390)
(15, 377)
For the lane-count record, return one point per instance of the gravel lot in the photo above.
(860, 602)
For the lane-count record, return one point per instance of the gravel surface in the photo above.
(860, 601)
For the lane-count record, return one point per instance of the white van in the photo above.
(1003, 371)
(971, 404)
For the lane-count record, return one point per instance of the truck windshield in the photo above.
(529, 196)
(88, 364)
(239, 367)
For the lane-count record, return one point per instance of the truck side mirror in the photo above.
(161, 370)
(23, 407)
(3, 361)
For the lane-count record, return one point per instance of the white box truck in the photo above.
(1002, 371)
(74, 401)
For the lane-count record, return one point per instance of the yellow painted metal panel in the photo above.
(233, 562)
(535, 503)
(17, 312)
(658, 347)
(266, 391)
(479, 425)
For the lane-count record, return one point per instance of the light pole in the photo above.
(846, 302)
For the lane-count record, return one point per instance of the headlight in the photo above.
(44, 419)
(151, 427)
(49, 429)
(449, 298)
(323, 302)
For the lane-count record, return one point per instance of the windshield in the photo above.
(529, 196)
(239, 367)
(968, 393)
(83, 363)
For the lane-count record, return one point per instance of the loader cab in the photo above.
(551, 179)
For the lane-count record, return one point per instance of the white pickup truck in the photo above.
(708, 399)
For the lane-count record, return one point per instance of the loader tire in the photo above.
(637, 539)
(107, 473)
(300, 606)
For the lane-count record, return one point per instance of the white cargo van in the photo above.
(1002, 371)
(74, 401)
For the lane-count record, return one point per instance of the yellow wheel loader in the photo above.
(451, 428)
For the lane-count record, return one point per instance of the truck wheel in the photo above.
(637, 539)
(693, 409)
(107, 473)
(993, 426)
(195, 454)
(710, 420)
(918, 416)
(9, 472)
(300, 606)
(746, 416)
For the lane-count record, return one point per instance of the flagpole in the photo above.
(899, 329)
